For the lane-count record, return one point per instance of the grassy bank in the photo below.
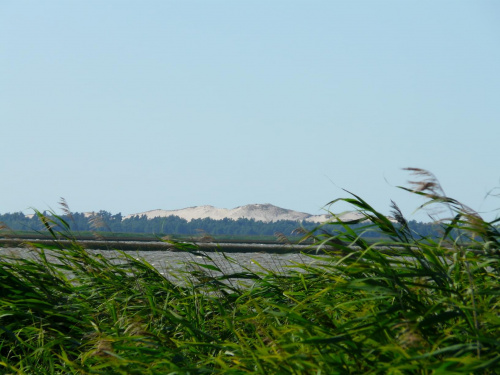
(145, 237)
(433, 311)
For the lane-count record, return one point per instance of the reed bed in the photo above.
(422, 306)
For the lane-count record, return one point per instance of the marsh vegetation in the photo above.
(434, 310)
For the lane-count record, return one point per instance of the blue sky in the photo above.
(129, 106)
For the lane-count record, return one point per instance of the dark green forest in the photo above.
(173, 225)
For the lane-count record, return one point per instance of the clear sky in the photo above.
(129, 106)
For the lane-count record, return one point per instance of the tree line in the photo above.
(104, 221)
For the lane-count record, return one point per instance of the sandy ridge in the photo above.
(259, 212)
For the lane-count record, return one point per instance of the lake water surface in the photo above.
(174, 262)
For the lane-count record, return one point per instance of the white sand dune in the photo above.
(259, 212)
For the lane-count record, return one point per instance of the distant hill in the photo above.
(259, 212)
(249, 220)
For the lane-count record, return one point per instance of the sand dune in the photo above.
(259, 212)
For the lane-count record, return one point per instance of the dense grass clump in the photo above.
(415, 306)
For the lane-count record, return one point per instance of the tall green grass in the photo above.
(418, 306)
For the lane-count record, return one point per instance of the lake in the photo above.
(174, 262)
